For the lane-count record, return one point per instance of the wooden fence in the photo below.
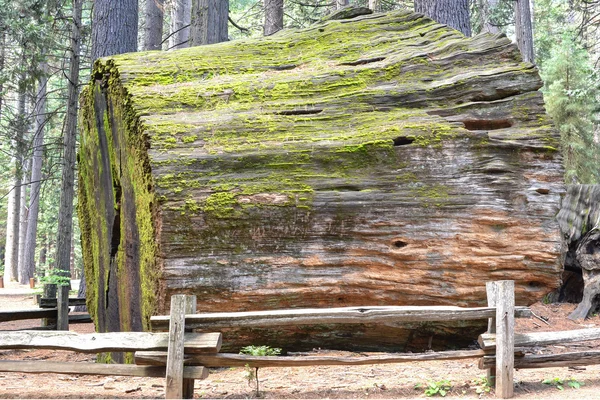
(53, 310)
(181, 355)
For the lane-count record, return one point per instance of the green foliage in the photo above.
(252, 374)
(260, 351)
(570, 91)
(559, 383)
(436, 388)
(56, 276)
(482, 385)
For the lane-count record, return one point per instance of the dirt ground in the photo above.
(397, 381)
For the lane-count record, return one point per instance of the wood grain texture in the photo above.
(62, 299)
(505, 338)
(241, 360)
(307, 169)
(346, 315)
(16, 315)
(572, 359)
(488, 341)
(51, 303)
(174, 377)
(105, 342)
(74, 368)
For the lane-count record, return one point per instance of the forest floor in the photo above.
(390, 381)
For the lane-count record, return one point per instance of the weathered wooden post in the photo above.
(505, 337)
(492, 301)
(62, 305)
(49, 293)
(188, 384)
(176, 386)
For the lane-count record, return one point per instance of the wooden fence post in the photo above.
(188, 384)
(505, 338)
(49, 293)
(176, 388)
(492, 300)
(62, 304)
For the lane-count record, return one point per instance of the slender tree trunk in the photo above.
(181, 15)
(524, 29)
(209, 22)
(23, 215)
(2, 58)
(273, 17)
(67, 190)
(28, 262)
(153, 30)
(454, 13)
(486, 12)
(14, 199)
(114, 27)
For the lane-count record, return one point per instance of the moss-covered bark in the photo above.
(381, 160)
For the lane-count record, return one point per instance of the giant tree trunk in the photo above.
(28, 261)
(114, 27)
(386, 160)
(524, 29)
(454, 13)
(579, 220)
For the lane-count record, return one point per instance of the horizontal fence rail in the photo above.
(16, 315)
(36, 367)
(345, 315)
(107, 342)
(487, 341)
(242, 360)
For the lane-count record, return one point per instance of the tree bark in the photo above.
(2, 58)
(181, 15)
(14, 199)
(28, 262)
(114, 27)
(524, 30)
(155, 10)
(209, 22)
(24, 210)
(273, 17)
(454, 13)
(67, 189)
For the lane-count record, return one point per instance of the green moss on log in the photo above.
(378, 152)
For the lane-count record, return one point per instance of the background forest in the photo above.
(47, 48)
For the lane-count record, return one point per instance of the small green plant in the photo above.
(1, 268)
(439, 388)
(59, 277)
(482, 385)
(252, 374)
(559, 383)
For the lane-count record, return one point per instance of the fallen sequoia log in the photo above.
(382, 160)
(579, 220)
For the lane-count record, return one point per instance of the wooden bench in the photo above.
(176, 343)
